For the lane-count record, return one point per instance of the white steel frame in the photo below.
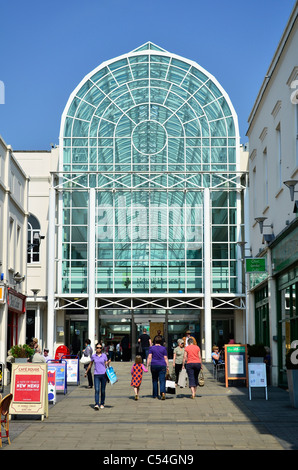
(184, 180)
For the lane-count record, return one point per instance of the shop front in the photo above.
(16, 308)
(285, 256)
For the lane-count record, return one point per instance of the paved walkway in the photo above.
(219, 418)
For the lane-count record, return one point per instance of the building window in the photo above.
(265, 162)
(254, 191)
(33, 255)
(279, 180)
(262, 316)
(296, 129)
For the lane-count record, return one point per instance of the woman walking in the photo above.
(100, 361)
(87, 352)
(193, 360)
(158, 359)
(178, 358)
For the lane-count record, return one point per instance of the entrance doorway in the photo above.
(115, 334)
(126, 326)
(76, 335)
(222, 328)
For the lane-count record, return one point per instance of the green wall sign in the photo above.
(253, 265)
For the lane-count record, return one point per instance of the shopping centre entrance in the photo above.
(125, 327)
(119, 329)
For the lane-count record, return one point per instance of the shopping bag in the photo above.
(170, 387)
(111, 375)
(182, 378)
(201, 381)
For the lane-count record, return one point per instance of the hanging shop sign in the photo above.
(29, 386)
(2, 294)
(16, 301)
(255, 265)
(236, 363)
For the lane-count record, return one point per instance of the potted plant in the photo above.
(256, 352)
(21, 352)
(292, 375)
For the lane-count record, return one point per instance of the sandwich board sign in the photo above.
(236, 363)
(60, 369)
(29, 386)
(257, 376)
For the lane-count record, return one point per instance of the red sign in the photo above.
(27, 388)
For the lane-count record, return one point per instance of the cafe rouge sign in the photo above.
(16, 301)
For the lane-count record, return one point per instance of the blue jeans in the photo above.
(158, 374)
(100, 381)
(145, 353)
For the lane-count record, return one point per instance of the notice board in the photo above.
(73, 370)
(52, 386)
(236, 363)
(29, 386)
(60, 369)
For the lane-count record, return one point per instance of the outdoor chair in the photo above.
(4, 414)
(217, 366)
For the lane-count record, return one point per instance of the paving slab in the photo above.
(219, 418)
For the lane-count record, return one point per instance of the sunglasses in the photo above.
(98, 347)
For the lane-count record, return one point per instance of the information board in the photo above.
(257, 376)
(236, 363)
(60, 368)
(52, 386)
(29, 386)
(73, 370)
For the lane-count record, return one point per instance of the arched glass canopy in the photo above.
(149, 131)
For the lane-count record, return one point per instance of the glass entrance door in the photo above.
(77, 335)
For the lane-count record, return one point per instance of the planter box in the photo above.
(292, 376)
(21, 359)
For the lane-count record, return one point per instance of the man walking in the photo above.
(187, 337)
(145, 342)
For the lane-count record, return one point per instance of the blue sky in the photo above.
(46, 49)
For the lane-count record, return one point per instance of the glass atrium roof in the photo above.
(149, 110)
(149, 130)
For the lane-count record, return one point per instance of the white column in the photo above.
(207, 276)
(92, 333)
(37, 330)
(51, 273)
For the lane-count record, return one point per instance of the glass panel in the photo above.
(138, 138)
